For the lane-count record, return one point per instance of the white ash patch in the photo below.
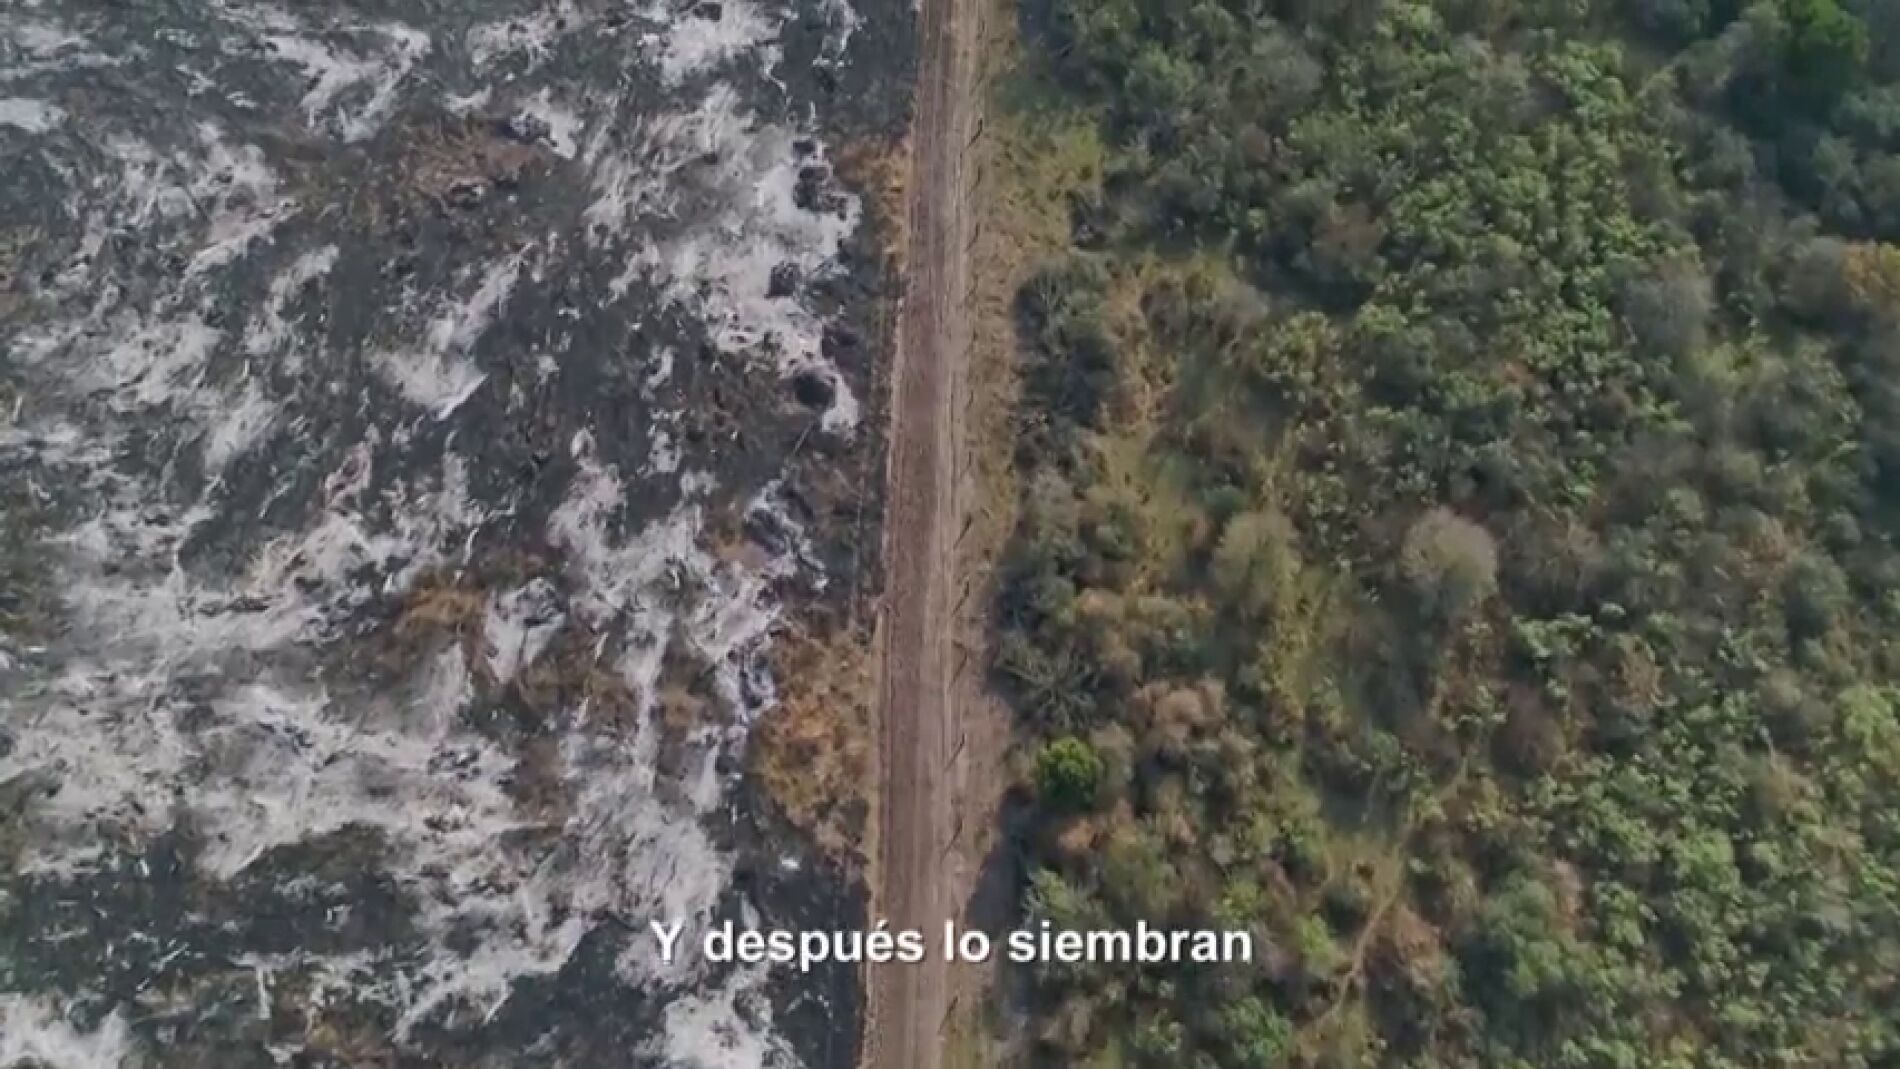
(712, 33)
(723, 267)
(146, 363)
(274, 763)
(715, 1031)
(239, 425)
(41, 40)
(35, 47)
(32, 116)
(792, 550)
(467, 103)
(631, 171)
(562, 126)
(351, 94)
(665, 452)
(269, 330)
(662, 370)
(238, 194)
(659, 868)
(185, 692)
(639, 174)
(213, 209)
(107, 727)
(214, 204)
(436, 373)
(724, 270)
(530, 38)
(288, 768)
(35, 1032)
(328, 980)
(518, 627)
(843, 22)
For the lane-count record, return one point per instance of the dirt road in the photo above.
(917, 882)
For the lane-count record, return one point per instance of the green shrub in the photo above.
(1068, 770)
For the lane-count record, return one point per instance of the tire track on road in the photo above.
(916, 880)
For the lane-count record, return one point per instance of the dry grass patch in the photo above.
(880, 172)
(446, 166)
(813, 752)
(440, 609)
(569, 674)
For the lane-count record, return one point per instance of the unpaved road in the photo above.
(916, 882)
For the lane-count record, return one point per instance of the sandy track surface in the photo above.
(918, 882)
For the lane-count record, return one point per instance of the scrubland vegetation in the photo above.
(1461, 478)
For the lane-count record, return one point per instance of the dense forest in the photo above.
(1460, 531)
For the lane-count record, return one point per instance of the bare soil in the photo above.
(918, 876)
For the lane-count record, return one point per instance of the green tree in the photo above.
(1632, 310)
(1825, 51)
(1068, 770)
(1258, 1036)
